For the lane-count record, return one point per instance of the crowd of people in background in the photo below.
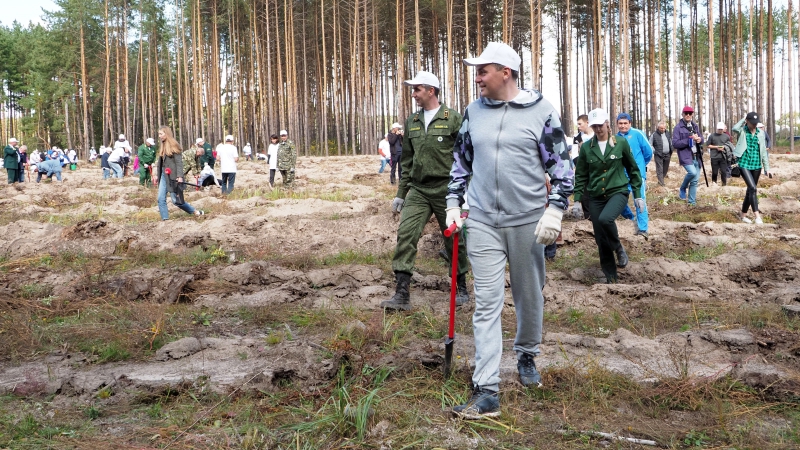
(120, 160)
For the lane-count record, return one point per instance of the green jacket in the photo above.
(190, 161)
(287, 155)
(428, 155)
(10, 158)
(207, 156)
(147, 154)
(741, 143)
(604, 175)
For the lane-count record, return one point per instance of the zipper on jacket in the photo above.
(496, 169)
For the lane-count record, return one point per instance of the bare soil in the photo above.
(270, 289)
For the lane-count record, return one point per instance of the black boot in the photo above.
(462, 295)
(622, 257)
(401, 300)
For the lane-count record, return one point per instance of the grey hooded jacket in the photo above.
(502, 152)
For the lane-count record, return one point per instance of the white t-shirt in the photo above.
(602, 145)
(247, 150)
(383, 148)
(122, 144)
(429, 115)
(226, 155)
(272, 154)
(116, 155)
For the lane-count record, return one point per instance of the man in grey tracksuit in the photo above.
(508, 141)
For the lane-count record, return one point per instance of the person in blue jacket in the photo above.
(687, 139)
(642, 153)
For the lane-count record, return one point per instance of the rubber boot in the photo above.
(401, 300)
(462, 295)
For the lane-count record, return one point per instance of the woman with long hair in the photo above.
(603, 171)
(170, 174)
(751, 153)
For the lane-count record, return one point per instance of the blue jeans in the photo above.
(116, 168)
(642, 218)
(162, 200)
(228, 179)
(690, 181)
(106, 173)
(384, 162)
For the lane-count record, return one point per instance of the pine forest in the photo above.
(331, 72)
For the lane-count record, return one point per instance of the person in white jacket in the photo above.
(272, 158)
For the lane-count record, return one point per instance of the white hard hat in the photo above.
(284, 133)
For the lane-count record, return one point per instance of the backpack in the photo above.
(730, 159)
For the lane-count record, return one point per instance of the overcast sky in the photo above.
(24, 11)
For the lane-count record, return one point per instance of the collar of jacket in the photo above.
(442, 113)
(595, 146)
(525, 99)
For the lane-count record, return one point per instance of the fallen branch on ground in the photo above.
(610, 436)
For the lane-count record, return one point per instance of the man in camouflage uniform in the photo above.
(147, 156)
(208, 153)
(427, 157)
(191, 162)
(287, 158)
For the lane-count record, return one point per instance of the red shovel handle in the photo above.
(449, 231)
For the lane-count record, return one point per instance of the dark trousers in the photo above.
(750, 178)
(395, 163)
(272, 176)
(12, 175)
(720, 166)
(603, 214)
(21, 174)
(662, 165)
(227, 182)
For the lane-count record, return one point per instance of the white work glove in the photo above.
(454, 216)
(640, 204)
(549, 226)
(577, 210)
(397, 204)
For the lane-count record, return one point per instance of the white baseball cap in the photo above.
(423, 77)
(228, 138)
(198, 140)
(121, 136)
(760, 125)
(721, 125)
(597, 116)
(151, 141)
(396, 125)
(13, 140)
(496, 53)
(284, 133)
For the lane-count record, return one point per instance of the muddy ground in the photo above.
(702, 299)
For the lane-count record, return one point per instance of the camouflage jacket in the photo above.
(428, 154)
(287, 155)
(190, 162)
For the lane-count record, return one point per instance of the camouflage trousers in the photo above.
(288, 178)
(416, 212)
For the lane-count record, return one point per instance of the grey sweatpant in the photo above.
(489, 249)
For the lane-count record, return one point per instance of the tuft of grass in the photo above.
(699, 254)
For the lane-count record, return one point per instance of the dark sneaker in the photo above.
(528, 375)
(622, 257)
(643, 234)
(483, 403)
(401, 300)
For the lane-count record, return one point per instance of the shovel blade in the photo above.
(448, 356)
